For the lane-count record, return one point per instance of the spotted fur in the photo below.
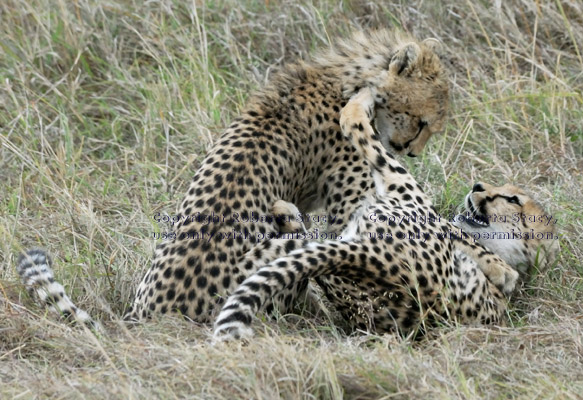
(287, 146)
(405, 276)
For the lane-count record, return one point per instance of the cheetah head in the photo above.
(411, 98)
(511, 224)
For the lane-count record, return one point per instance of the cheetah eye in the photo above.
(422, 124)
(513, 200)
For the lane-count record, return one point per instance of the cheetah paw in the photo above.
(359, 108)
(287, 214)
(365, 99)
(505, 280)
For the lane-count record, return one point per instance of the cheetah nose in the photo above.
(411, 154)
(478, 188)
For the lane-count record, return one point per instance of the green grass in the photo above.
(106, 110)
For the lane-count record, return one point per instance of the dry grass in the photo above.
(106, 109)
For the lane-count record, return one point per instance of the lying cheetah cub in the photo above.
(390, 272)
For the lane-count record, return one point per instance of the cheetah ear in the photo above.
(434, 45)
(405, 59)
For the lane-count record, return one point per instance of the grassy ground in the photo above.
(106, 110)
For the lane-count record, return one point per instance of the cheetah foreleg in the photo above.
(498, 271)
(287, 214)
(355, 121)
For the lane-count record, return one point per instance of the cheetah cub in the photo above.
(399, 267)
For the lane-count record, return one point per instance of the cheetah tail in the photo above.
(34, 268)
(315, 259)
